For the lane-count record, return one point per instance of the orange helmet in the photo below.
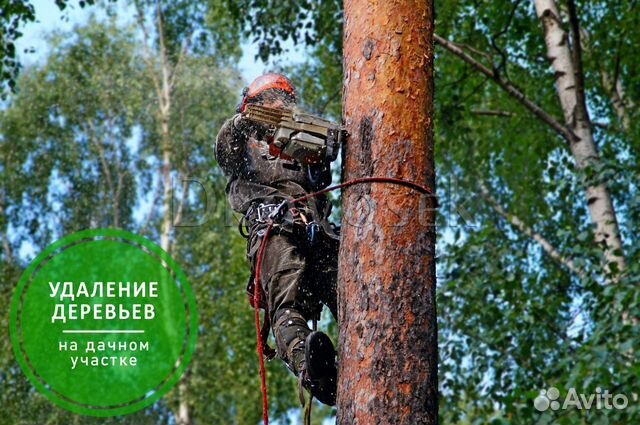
(264, 83)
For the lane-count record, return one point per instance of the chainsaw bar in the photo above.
(271, 116)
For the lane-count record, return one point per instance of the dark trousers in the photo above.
(298, 278)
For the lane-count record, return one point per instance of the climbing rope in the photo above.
(256, 291)
(412, 185)
(256, 303)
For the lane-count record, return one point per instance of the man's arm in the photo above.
(230, 146)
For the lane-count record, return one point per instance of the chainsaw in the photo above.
(291, 134)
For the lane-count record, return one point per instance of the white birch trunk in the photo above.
(163, 85)
(165, 231)
(183, 415)
(584, 149)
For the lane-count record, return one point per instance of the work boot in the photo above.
(290, 331)
(319, 374)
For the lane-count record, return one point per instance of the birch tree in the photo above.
(65, 166)
(192, 95)
(162, 72)
(566, 60)
(93, 89)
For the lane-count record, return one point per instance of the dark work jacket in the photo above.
(255, 176)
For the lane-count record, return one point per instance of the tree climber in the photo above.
(299, 265)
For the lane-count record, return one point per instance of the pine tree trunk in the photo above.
(387, 311)
(571, 94)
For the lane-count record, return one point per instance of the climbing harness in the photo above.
(272, 216)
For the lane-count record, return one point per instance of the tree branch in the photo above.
(5, 238)
(584, 151)
(503, 55)
(103, 160)
(613, 87)
(576, 53)
(165, 66)
(117, 196)
(617, 96)
(490, 113)
(516, 93)
(331, 98)
(118, 150)
(185, 185)
(476, 52)
(541, 240)
(147, 54)
(181, 55)
(178, 219)
(152, 208)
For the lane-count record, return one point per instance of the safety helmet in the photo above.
(271, 82)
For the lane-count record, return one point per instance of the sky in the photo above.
(50, 18)
(32, 49)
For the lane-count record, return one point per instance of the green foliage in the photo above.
(268, 23)
(512, 320)
(201, 28)
(13, 14)
(80, 147)
(319, 88)
(543, 322)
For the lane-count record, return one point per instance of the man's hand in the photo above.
(249, 127)
(240, 123)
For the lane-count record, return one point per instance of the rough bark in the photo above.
(387, 311)
(570, 88)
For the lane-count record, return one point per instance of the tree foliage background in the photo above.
(513, 319)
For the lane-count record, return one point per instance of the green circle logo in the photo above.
(103, 322)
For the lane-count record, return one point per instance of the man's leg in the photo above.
(322, 270)
(324, 273)
(290, 303)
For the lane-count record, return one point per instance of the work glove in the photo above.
(248, 127)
